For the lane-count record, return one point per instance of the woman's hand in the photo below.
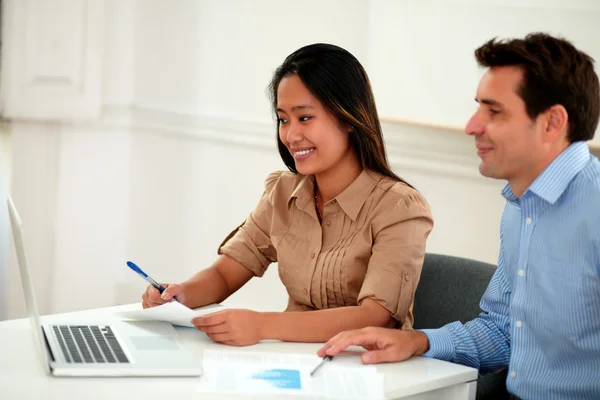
(153, 298)
(232, 327)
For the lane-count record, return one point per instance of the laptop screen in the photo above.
(28, 290)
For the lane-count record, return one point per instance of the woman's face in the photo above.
(316, 139)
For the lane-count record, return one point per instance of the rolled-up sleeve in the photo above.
(250, 243)
(399, 234)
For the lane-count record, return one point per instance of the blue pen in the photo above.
(144, 275)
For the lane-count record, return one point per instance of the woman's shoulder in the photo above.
(284, 182)
(394, 191)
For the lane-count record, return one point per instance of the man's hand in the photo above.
(232, 327)
(383, 345)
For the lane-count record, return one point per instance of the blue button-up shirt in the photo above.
(541, 310)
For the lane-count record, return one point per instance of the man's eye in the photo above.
(494, 112)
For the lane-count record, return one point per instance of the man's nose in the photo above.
(474, 126)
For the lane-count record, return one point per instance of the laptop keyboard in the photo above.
(89, 344)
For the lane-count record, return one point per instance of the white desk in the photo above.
(22, 375)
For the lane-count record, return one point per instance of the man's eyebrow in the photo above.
(489, 102)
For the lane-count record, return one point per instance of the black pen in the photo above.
(326, 358)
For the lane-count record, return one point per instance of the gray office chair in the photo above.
(450, 290)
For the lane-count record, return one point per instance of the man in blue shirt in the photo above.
(539, 102)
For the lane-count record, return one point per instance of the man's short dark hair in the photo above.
(554, 72)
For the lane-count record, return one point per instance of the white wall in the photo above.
(5, 173)
(186, 137)
(421, 52)
(35, 156)
(219, 55)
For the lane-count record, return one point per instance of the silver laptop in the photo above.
(93, 348)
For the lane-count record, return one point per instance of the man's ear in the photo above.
(556, 123)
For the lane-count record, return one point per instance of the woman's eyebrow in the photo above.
(298, 107)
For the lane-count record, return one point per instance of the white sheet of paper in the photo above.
(173, 312)
(288, 374)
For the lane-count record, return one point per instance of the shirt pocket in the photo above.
(560, 284)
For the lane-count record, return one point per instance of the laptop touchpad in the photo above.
(154, 343)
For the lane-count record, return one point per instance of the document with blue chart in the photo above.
(246, 372)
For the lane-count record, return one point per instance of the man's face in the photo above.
(506, 138)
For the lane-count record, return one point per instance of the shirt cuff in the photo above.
(441, 345)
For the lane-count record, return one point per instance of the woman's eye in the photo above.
(281, 121)
(305, 118)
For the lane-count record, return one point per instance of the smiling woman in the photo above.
(348, 234)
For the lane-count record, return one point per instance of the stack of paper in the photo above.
(173, 312)
(287, 374)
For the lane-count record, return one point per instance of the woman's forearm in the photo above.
(216, 283)
(321, 325)
(204, 287)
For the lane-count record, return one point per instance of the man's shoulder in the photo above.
(579, 204)
(588, 180)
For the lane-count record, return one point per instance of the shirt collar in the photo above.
(354, 196)
(350, 200)
(553, 181)
(304, 193)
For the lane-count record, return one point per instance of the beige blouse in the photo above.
(371, 242)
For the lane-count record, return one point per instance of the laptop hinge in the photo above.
(48, 348)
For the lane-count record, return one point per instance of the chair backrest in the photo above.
(450, 290)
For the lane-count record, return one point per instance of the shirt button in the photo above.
(513, 374)
(406, 278)
(312, 255)
(519, 324)
(305, 291)
(328, 223)
(528, 221)
(521, 272)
